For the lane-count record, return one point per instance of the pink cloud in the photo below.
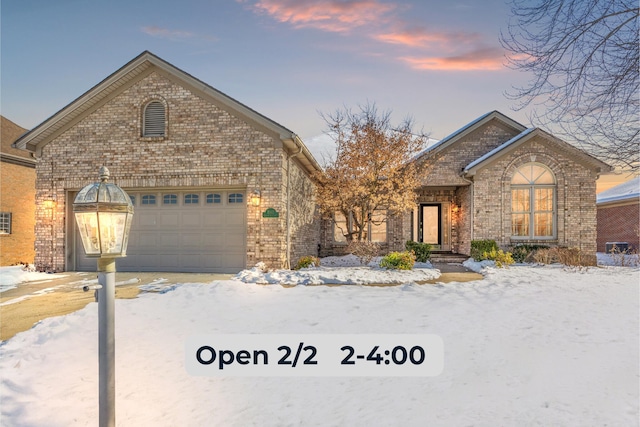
(334, 16)
(420, 37)
(486, 59)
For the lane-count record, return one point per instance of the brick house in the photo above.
(619, 215)
(496, 179)
(17, 195)
(191, 158)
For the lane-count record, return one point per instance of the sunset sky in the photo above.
(438, 61)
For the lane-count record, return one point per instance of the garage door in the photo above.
(185, 231)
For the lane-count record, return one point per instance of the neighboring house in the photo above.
(496, 179)
(619, 216)
(17, 198)
(191, 159)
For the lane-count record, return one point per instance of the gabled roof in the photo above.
(134, 70)
(11, 132)
(527, 135)
(626, 191)
(470, 127)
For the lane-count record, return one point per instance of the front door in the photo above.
(431, 224)
(434, 225)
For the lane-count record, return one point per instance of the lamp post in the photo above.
(103, 212)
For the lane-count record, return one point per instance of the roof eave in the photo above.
(598, 165)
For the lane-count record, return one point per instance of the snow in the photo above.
(11, 277)
(345, 270)
(624, 191)
(526, 346)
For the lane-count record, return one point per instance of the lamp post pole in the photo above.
(106, 341)
(103, 213)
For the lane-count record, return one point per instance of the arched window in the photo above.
(153, 119)
(533, 195)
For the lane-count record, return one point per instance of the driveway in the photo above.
(62, 293)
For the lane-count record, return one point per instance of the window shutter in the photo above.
(154, 119)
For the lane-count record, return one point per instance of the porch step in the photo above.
(448, 257)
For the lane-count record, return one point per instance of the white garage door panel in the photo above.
(146, 219)
(191, 220)
(192, 237)
(170, 219)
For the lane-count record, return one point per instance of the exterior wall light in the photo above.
(103, 213)
(255, 198)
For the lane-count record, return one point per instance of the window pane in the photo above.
(520, 200)
(236, 198)
(543, 224)
(133, 199)
(545, 177)
(378, 226)
(191, 199)
(533, 173)
(520, 224)
(5, 223)
(339, 227)
(544, 199)
(520, 178)
(214, 198)
(148, 199)
(170, 199)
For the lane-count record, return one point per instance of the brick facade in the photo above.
(575, 198)
(619, 222)
(17, 195)
(475, 206)
(206, 145)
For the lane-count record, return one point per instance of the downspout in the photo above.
(288, 216)
(471, 209)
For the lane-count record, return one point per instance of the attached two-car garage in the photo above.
(192, 230)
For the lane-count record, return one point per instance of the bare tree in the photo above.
(583, 55)
(371, 176)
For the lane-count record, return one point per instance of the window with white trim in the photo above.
(214, 198)
(191, 199)
(154, 119)
(5, 222)
(236, 198)
(148, 199)
(170, 199)
(533, 194)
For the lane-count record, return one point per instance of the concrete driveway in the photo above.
(62, 293)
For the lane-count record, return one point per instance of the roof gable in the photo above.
(526, 135)
(136, 69)
(459, 134)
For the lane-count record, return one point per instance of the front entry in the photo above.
(434, 225)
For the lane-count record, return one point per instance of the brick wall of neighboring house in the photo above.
(205, 146)
(619, 222)
(575, 198)
(17, 197)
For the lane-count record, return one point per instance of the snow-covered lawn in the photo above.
(526, 346)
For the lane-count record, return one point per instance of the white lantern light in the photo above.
(103, 213)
